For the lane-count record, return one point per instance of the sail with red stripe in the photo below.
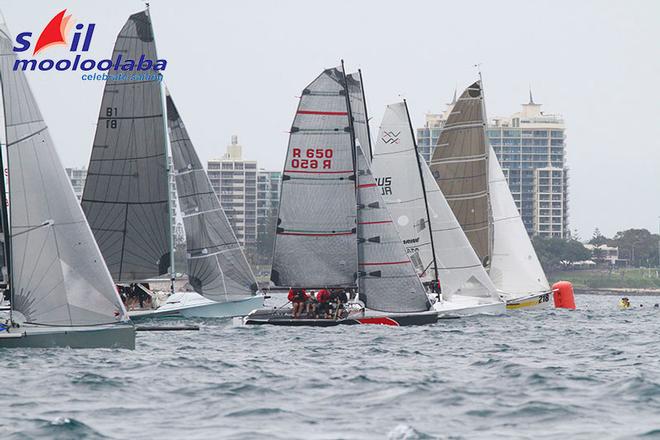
(315, 244)
(387, 279)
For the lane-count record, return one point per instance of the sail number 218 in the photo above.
(312, 158)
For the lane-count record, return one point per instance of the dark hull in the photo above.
(283, 318)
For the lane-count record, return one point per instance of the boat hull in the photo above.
(100, 336)
(536, 301)
(469, 307)
(201, 307)
(283, 318)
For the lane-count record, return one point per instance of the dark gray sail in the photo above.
(126, 192)
(359, 111)
(460, 167)
(217, 267)
(387, 279)
(58, 276)
(315, 237)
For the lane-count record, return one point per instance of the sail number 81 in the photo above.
(312, 158)
(109, 113)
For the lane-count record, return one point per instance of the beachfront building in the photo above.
(234, 180)
(530, 146)
(77, 176)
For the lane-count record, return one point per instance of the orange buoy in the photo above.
(562, 293)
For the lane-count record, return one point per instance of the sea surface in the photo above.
(593, 373)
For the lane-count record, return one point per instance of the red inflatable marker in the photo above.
(563, 295)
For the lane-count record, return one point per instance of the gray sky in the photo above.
(237, 67)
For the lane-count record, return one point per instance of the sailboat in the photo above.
(468, 173)
(60, 289)
(128, 202)
(333, 228)
(433, 238)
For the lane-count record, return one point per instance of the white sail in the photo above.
(58, 275)
(515, 268)
(398, 173)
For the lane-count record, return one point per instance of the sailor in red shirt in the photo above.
(298, 297)
(323, 297)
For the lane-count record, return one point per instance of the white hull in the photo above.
(460, 305)
(97, 336)
(530, 301)
(193, 305)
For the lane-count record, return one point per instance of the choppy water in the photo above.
(593, 373)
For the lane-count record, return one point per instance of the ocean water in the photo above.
(593, 373)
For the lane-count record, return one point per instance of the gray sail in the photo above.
(126, 192)
(359, 111)
(217, 267)
(460, 167)
(387, 279)
(57, 274)
(315, 238)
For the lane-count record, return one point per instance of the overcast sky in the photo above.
(237, 67)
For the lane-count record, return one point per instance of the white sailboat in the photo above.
(334, 229)
(61, 292)
(468, 173)
(428, 228)
(127, 198)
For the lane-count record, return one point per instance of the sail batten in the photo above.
(58, 276)
(217, 267)
(126, 194)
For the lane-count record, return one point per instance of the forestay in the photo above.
(397, 168)
(386, 279)
(126, 192)
(217, 267)
(515, 268)
(58, 275)
(459, 166)
(315, 244)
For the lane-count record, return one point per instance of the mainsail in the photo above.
(58, 276)
(515, 268)
(399, 172)
(386, 279)
(460, 167)
(315, 243)
(126, 196)
(359, 110)
(217, 267)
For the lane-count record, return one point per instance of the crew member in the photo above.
(298, 297)
(323, 309)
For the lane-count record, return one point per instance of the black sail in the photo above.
(126, 192)
(217, 267)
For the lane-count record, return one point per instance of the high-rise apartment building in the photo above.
(77, 176)
(268, 199)
(234, 180)
(530, 146)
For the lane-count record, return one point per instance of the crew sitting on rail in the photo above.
(338, 298)
(298, 297)
(323, 308)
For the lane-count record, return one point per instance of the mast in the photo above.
(491, 221)
(366, 116)
(4, 211)
(168, 167)
(354, 156)
(426, 202)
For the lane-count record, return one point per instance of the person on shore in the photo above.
(298, 298)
